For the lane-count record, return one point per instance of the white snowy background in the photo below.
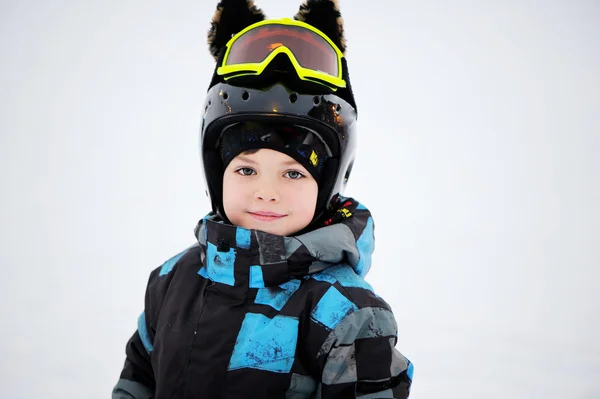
(479, 158)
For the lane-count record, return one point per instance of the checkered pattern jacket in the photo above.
(246, 314)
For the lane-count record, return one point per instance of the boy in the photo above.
(271, 302)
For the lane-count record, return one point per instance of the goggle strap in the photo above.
(346, 92)
(216, 77)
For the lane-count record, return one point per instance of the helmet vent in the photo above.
(245, 95)
(316, 100)
(293, 97)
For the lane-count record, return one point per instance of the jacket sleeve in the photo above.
(359, 358)
(137, 377)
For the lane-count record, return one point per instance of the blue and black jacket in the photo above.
(247, 314)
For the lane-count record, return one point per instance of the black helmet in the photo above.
(278, 96)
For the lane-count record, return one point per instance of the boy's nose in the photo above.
(267, 194)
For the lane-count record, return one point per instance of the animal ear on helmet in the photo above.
(231, 17)
(324, 15)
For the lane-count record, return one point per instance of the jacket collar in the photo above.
(233, 255)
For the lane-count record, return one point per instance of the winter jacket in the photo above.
(247, 314)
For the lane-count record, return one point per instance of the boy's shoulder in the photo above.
(184, 262)
(345, 308)
(347, 282)
(344, 275)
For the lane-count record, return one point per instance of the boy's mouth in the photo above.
(265, 216)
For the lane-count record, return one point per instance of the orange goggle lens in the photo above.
(311, 50)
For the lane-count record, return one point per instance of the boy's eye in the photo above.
(294, 175)
(245, 171)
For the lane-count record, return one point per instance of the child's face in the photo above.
(269, 191)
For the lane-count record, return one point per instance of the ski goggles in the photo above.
(314, 56)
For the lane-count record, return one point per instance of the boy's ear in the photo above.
(324, 15)
(231, 17)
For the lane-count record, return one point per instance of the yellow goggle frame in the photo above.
(307, 74)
